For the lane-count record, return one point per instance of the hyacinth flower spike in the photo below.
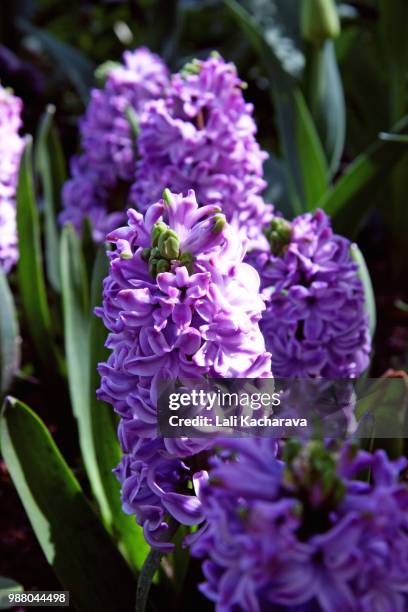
(11, 147)
(101, 175)
(179, 303)
(202, 134)
(313, 289)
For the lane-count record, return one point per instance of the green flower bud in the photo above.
(102, 71)
(133, 121)
(320, 20)
(162, 266)
(157, 230)
(279, 234)
(220, 223)
(169, 245)
(125, 252)
(153, 267)
(154, 253)
(192, 67)
(167, 196)
(126, 255)
(146, 254)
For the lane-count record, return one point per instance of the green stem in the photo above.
(149, 569)
(315, 77)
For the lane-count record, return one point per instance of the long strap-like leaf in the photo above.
(71, 536)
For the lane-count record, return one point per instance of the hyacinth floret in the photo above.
(179, 303)
(201, 135)
(101, 174)
(11, 147)
(315, 323)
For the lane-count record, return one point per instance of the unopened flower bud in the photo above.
(125, 255)
(220, 223)
(278, 234)
(125, 252)
(169, 245)
(192, 67)
(103, 70)
(157, 230)
(162, 266)
(153, 267)
(146, 254)
(320, 20)
(167, 196)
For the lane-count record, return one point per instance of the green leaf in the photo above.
(76, 311)
(393, 137)
(8, 587)
(393, 27)
(302, 149)
(72, 63)
(351, 197)
(76, 318)
(128, 534)
(89, 247)
(50, 164)
(275, 50)
(381, 412)
(277, 191)
(273, 28)
(30, 269)
(326, 101)
(85, 337)
(133, 120)
(72, 538)
(9, 336)
(394, 54)
(103, 70)
(401, 305)
(368, 287)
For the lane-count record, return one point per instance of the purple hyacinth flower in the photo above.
(201, 135)
(102, 172)
(305, 534)
(315, 323)
(11, 147)
(179, 303)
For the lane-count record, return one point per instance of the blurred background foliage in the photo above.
(355, 87)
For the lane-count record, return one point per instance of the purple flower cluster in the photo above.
(315, 323)
(306, 534)
(179, 304)
(11, 146)
(102, 173)
(201, 135)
